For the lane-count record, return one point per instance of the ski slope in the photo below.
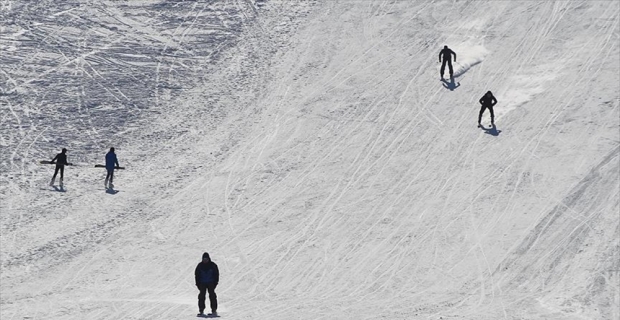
(311, 148)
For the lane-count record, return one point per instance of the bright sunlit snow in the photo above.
(313, 150)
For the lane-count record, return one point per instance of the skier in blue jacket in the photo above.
(207, 277)
(110, 163)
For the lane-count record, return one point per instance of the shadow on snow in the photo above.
(450, 85)
(492, 131)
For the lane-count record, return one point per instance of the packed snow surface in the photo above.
(311, 148)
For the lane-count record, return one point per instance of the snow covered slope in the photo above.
(312, 150)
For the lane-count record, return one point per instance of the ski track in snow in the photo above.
(309, 147)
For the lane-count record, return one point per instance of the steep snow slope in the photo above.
(313, 151)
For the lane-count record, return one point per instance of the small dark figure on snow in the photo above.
(445, 56)
(111, 162)
(207, 278)
(487, 102)
(61, 161)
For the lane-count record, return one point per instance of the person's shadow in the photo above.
(492, 131)
(450, 85)
(111, 191)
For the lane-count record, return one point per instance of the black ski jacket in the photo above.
(488, 101)
(61, 159)
(207, 273)
(446, 54)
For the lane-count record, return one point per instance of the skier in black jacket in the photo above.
(60, 160)
(487, 102)
(446, 54)
(207, 277)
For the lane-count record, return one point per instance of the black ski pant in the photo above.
(110, 176)
(204, 288)
(484, 107)
(61, 168)
(443, 67)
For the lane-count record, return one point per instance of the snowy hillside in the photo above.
(311, 148)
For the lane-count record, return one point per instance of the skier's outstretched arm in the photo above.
(481, 100)
(493, 101)
(54, 160)
(439, 56)
(116, 162)
(454, 53)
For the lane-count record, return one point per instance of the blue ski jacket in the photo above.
(207, 273)
(111, 161)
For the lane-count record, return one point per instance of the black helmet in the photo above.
(64, 150)
(112, 149)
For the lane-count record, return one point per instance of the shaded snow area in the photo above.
(312, 149)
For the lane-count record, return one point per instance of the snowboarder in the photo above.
(487, 102)
(110, 163)
(446, 54)
(207, 278)
(61, 161)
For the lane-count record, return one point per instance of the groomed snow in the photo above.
(311, 148)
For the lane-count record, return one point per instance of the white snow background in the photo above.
(311, 148)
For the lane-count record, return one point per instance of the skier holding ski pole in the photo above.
(61, 161)
(111, 162)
